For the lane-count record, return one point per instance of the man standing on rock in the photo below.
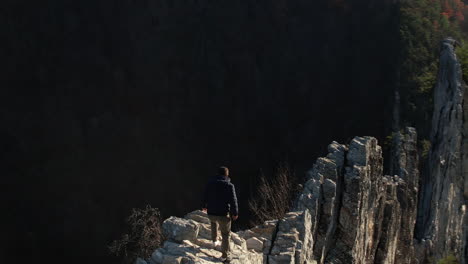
(220, 203)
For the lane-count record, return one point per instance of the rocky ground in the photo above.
(190, 242)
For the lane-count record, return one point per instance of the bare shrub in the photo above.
(274, 196)
(145, 235)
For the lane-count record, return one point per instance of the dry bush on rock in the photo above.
(145, 235)
(274, 196)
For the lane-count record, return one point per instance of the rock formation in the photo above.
(442, 212)
(347, 212)
(350, 212)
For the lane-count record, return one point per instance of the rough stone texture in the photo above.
(363, 198)
(293, 241)
(198, 216)
(178, 229)
(264, 231)
(404, 162)
(407, 195)
(347, 212)
(442, 214)
(358, 212)
(189, 242)
(322, 196)
(391, 224)
(255, 244)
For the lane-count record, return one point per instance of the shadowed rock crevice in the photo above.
(337, 204)
(273, 238)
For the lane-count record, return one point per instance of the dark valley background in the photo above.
(111, 105)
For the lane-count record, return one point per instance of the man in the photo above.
(220, 203)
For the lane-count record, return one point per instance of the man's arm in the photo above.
(233, 202)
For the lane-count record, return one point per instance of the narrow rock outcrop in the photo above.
(348, 212)
(406, 163)
(442, 223)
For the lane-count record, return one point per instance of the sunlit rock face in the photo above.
(347, 212)
(359, 214)
(442, 212)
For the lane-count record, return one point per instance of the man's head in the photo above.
(223, 171)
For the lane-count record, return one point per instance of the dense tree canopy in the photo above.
(423, 24)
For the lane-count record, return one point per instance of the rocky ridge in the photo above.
(350, 212)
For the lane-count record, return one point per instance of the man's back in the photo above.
(220, 197)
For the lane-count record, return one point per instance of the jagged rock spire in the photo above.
(442, 221)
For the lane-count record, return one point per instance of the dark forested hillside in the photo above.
(423, 24)
(109, 105)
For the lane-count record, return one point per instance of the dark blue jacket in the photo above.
(220, 197)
